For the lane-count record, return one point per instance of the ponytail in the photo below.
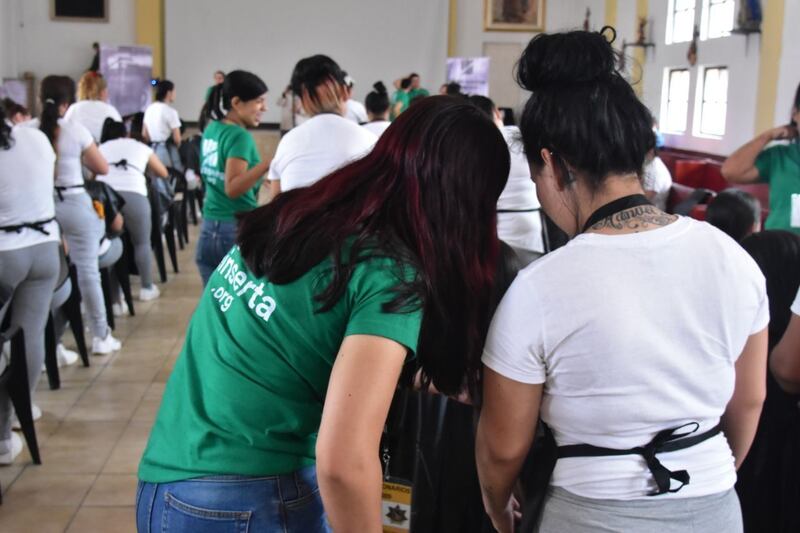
(54, 92)
(48, 120)
(213, 109)
(5, 131)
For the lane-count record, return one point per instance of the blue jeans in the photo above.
(286, 504)
(216, 240)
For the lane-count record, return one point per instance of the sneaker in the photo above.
(35, 412)
(145, 295)
(65, 357)
(119, 309)
(105, 346)
(13, 447)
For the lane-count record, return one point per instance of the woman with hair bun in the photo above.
(162, 126)
(641, 344)
(231, 167)
(92, 108)
(378, 109)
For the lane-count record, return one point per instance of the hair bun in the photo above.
(379, 87)
(563, 59)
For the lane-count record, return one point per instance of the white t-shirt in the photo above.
(657, 178)
(73, 139)
(26, 188)
(160, 119)
(92, 114)
(377, 127)
(796, 304)
(130, 179)
(631, 335)
(316, 148)
(356, 111)
(519, 229)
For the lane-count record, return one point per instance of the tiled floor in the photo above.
(95, 427)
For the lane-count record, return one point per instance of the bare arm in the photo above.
(784, 361)
(361, 387)
(176, 136)
(117, 223)
(274, 188)
(740, 421)
(94, 160)
(145, 133)
(238, 179)
(506, 429)
(155, 166)
(740, 166)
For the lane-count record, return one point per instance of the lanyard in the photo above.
(614, 207)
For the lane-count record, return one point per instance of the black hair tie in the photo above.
(613, 33)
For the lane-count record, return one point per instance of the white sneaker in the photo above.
(105, 346)
(65, 357)
(35, 412)
(119, 309)
(13, 447)
(145, 295)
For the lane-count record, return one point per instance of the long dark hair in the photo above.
(581, 108)
(777, 254)
(735, 212)
(426, 197)
(163, 87)
(377, 101)
(113, 130)
(54, 92)
(239, 83)
(5, 131)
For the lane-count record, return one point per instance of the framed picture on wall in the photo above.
(83, 11)
(514, 15)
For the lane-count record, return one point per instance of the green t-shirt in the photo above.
(403, 98)
(247, 392)
(221, 142)
(780, 167)
(413, 93)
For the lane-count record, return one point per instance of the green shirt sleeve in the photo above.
(243, 146)
(370, 287)
(764, 164)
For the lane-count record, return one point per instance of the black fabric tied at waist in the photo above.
(60, 190)
(123, 164)
(37, 226)
(668, 440)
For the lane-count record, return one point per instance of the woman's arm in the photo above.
(155, 166)
(238, 179)
(94, 160)
(360, 390)
(274, 188)
(145, 133)
(740, 421)
(176, 136)
(506, 429)
(784, 361)
(740, 166)
(118, 223)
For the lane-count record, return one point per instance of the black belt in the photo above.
(532, 210)
(123, 164)
(37, 226)
(665, 441)
(60, 190)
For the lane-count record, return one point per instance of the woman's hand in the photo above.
(782, 133)
(505, 521)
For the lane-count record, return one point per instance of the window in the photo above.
(680, 21)
(676, 105)
(714, 104)
(717, 19)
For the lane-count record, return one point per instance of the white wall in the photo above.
(30, 41)
(375, 40)
(790, 62)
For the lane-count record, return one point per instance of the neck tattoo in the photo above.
(636, 218)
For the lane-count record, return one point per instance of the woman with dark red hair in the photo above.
(296, 348)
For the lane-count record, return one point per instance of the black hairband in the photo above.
(603, 31)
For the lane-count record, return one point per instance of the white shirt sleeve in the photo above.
(278, 163)
(796, 304)
(114, 113)
(515, 347)
(173, 119)
(85, 139)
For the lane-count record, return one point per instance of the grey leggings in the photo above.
(139, 224)
(83, 229)
(32, 273)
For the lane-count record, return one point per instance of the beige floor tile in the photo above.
(35, 487)
(104, 520)
(39, 519)
(130, 373)
(9, 474)
(125, 456)
(112, 489)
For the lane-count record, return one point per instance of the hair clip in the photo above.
(49, 101)
(603, 31)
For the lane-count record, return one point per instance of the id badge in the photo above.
(396, 505)
(795, 219)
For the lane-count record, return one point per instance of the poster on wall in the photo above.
(472, 73)
(17, 90)
(128, 71)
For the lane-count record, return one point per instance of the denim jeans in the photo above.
(216, 240)
(286, 504)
